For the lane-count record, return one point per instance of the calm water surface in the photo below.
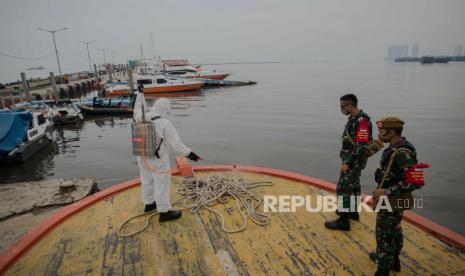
(291, 121)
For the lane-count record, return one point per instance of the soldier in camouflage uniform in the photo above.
(389, 237)
(357, 133)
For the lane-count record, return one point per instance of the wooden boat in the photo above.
(90, 110)
(82, 238)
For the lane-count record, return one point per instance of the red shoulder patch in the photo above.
(361, 134)
(415, 175)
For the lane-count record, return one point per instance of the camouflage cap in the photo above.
(390, 122)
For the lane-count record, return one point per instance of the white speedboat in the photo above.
(183, 69)
(162, 84)
(65, 112)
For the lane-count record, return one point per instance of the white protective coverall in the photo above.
(155, 186)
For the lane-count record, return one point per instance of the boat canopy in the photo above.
(13, 129)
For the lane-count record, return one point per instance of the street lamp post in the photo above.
(54, 43)
(113, 54)
(88, 54)
(104, 58)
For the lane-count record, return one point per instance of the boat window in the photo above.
(161, 81)
(177, 73)
(145, 81)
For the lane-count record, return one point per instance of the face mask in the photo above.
(385, 138)
(346, 110)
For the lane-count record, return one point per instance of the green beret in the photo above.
(390, 122)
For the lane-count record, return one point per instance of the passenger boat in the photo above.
(161, 84)
(82, 238)
(22, 134)
(183, 69)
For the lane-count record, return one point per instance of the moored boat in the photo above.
(183, 69)
(162, 84)
(91, 110)
(65, 112)
(83, 238)
(22, 134)
(97, 106)
(117, 89)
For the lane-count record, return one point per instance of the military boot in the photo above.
(354, 215)
(170, 215)
(342, 223)
(381, 272)
(150, 207)
(396, 264)
(372, 256)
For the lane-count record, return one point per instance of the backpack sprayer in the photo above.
(144, 138)
(144, 143)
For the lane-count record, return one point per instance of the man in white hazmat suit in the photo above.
(155, 171)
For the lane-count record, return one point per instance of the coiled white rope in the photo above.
(205, 193)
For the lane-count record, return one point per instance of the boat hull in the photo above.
(117, 93)
(70, 120)
(104, 110)
(174, 88)
(27, 150)
(82, 238)
(215, 77)
(208, 77)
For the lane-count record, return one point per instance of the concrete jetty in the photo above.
(24, 205)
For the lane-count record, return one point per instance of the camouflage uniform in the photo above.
(389, 239)
(353, 149)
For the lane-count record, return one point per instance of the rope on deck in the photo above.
(213, 189)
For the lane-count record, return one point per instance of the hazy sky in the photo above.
(222, 31)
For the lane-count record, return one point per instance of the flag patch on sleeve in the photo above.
(362, 134)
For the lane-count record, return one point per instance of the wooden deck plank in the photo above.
(293, 243)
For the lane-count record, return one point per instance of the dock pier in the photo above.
(46, 89)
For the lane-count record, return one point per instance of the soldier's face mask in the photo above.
(385, 135)
(346, 109)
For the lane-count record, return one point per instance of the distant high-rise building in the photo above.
(414, 52)
(403, 51)
(398, 51)
(458, 51)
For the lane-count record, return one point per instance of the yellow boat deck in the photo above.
(292, 244)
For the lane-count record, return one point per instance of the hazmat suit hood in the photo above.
(161, 108)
